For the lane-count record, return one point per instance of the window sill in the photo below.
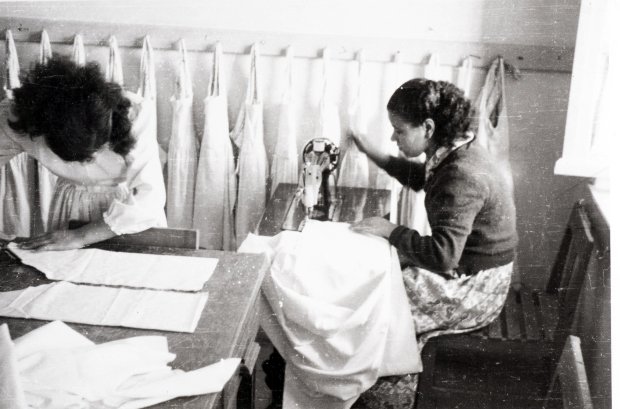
(591, 167)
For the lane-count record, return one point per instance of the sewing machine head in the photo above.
(316, 193)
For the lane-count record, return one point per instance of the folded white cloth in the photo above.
(337, 311)
(11, 393)
(127, 373)
(162, 310)
(94, 266)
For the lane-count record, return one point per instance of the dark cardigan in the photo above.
(470, 210)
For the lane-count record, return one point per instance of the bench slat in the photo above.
(549, 314)
(513, 317)
(530, 317)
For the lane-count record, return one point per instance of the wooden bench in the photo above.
(533, 324)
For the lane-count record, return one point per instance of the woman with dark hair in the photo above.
(457, 278)
(98, 140)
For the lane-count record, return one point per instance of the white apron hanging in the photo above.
(46, 179)
(354, 165)
(15, 177)
(216, 181)
(148, 89)
(284, 165)
(492, 131)
(463, 77)
(114, 69)
(182, 151)
(252, 166)
(78, 54)
(329, 118)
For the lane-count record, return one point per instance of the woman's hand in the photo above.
(56, 240)
(360, 140)
(376, 226)
(375, 153)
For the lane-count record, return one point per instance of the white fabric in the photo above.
(94, 266)
(285, 162)
(18, 174)
(328, 125)
(60, 368)
(78, 55)
(148, 309)
(46, 179)
(464, 75)
(182, 151)
(11, 392)
(216, 181)
(253, 168)
(114, 69)
(132, 188)
(337, 311)
(354, 165)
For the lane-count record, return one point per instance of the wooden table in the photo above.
(227, 327)
(357, 203)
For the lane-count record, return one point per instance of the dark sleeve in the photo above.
(453, 201)
(408, 173)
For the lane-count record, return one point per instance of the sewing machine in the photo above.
(316, 194)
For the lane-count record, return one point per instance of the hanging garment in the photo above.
(148, 90)
(354, 165)
(94, 266)
(114, 69)
(285, 162)
(46, 179)
(493, 131)
(60, 368)
(16, 176)
(329, 119)
(336, 309)
(463, 78)
(108, 306)
(252, 166)
(216, 181)
(78, 55)
(182, 151)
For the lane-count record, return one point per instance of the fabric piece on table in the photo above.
(353, 169)
(285, 162)
(94, 266)
(107, 306)
(216, 181)
(252, 164)
(336, 309)
(60, 368)
(182, 151)
(11, 391)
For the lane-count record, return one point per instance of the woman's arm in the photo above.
(379, 157)
(90, 233)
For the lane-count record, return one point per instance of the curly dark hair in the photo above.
(74, 108)
(443, 102)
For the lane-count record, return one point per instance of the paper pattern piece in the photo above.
(94, 266)
(60, 368)
(337, 311)
(107, 306)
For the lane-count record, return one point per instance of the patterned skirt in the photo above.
(440, 306)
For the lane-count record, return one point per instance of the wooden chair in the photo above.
(569, 387)
(533, 323)
(155, 237)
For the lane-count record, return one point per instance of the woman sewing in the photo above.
(457, 278)
(98, 140)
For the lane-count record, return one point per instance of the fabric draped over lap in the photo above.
(492, 128)
(354, 164)
(252, 165)
(340, 319)
(216, 181)
(285, 162)
(182, 151)
(16, 177)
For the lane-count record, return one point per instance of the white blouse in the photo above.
(139, 172)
